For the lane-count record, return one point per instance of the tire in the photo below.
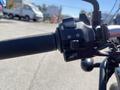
(35, 20)
(27, 18)
(114, 87)
(10, 16)
(19, 18)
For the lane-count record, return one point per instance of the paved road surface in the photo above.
(46, 71)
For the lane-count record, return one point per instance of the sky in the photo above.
(73, 7)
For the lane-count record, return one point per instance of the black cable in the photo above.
(111, 10)
(115, 14)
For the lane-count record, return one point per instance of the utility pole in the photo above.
(60, 14)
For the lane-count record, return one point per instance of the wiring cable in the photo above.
(115, 14)
(111, 10)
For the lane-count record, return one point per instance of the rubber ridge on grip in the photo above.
(27, 46)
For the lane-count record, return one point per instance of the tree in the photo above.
(44, 8)
(10, 4)
(60, 14)
(40, 7)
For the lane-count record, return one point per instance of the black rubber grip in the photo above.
(27, 46)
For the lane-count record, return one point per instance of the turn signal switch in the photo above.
(75, 44)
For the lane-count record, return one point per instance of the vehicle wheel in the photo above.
(10, 16)
(35, 20)
(18, 17)
(114, 87)
(27, 18)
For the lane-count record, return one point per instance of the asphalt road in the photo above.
(46, 71)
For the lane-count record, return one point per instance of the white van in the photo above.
(27, 11)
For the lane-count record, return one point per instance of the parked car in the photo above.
(1, 12)
(27, 12)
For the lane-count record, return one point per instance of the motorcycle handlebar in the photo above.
(45, 43)
(27, 46)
